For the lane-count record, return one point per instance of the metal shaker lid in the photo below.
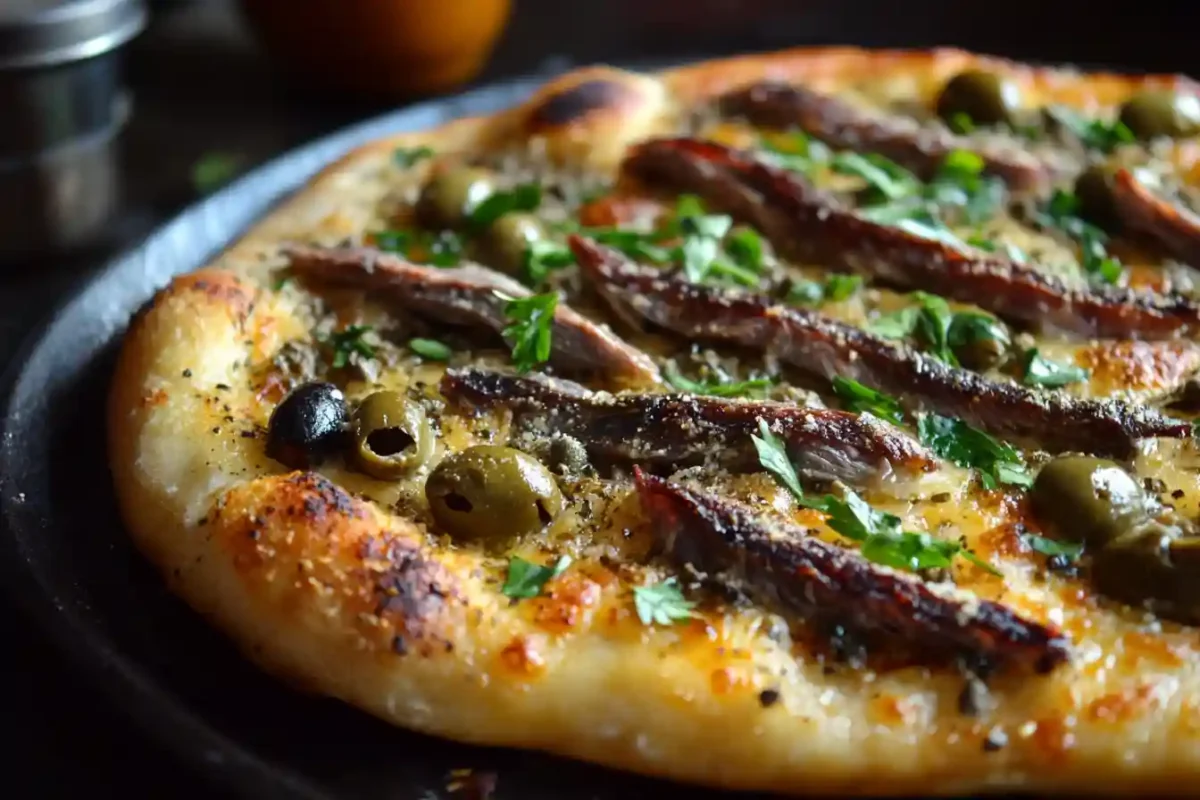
(39, 33)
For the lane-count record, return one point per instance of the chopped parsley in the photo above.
(525, 579)
(439, 249)
(543, 257)
(952, 439)
(530, 322)
(702, 252)
(430, 349)
(406, 157)
(348, 342)
(523, 197)
(796, 151)
(937, 328)
(960, 182)
(878, 532)
(970, 327)
(661, 603)
(1041, 371)
(1053, 547)
(1063, 212)
(835, 288)
(886, 180)
(1096, 134)
(716, 387)
(859, 398)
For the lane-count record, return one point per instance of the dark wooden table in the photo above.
(201, 86)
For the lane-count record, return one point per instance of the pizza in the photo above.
(809, 422)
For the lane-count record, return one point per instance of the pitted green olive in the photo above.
(451, 195)
(1152, 563)
(983, 97)
(1094, 189)
(508, 238)
(491, 493)
(1161, 112)
(392, 436)
(1089, 500)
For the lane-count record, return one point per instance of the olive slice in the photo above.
(1089, 500)
(985, 98)
(450, 196)
(392, 436)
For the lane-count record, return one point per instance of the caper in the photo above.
(1152, 563)
(1085, 499)
(979, 342)
(567, 455)
(984, 98)
(307, 425)
(508, 238)
(392, 436)
(491, 493)
(1161, 112)
(451, 195)
(1094, 189)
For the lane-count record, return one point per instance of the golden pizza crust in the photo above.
(346, 599)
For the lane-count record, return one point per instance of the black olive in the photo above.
(307, 425)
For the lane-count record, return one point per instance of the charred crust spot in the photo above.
(576, 103)
(768, 697)
(412, 591)
(322, 498)
(219, 286)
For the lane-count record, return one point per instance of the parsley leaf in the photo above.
(440, 249)
(1063, 212)
(531, 319)
(886, 180)
(997, 462)
(523, 197)
(430, 349)
(1053, 547)
(702, 235)
(1097, 134)
(348, 342)
(745, 246)
(878, 532)
(960, 182)
(835, 288)
(859, 398)
(796, 151)
(542, 257)
(933, 326)
(754, 387)
(638, 245)
(1041, 371)
(661, 603)
(526, 579)
(969, 327)
(406, 157)
(896, 324)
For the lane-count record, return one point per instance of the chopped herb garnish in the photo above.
(526, 579)
(933, 326)
(531, 319)
(997, 462)
(214, 170)
(716, 387)
(439, 249)
(895, 324)
(886, 180)
(348, 342)
(406, 157)
(859, 398)
(835, 288)
(524, 197)
(1041, 371)
(661, 603)
(960, 182)
(1063, 212)
(969, 327)
(745, 246)
(1053, 547)
(1097, 134)
(961, 122)
(796, 151)
(280, 282)
(430, 349)
(878, 532)
(543, 257)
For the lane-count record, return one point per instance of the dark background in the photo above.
(201, 86)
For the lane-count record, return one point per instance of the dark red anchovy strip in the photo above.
(827, 348)
(920, 148)
(468, 296)
(678, 430)
(1138, 209)
(812, 226)
(779, 563)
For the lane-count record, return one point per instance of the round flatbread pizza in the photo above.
(810, 422)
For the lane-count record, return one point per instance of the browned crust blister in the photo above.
(355, 601)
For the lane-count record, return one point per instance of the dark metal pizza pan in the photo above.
(66, 559)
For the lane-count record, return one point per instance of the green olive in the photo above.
(979, 341)
(507, 239)
(1089, 500)
(982, 354)
(983, 97)
(392, 436)
(491, 493)
(1094, 188)
(1161, 112)
(451, 195)
(1152, 563)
